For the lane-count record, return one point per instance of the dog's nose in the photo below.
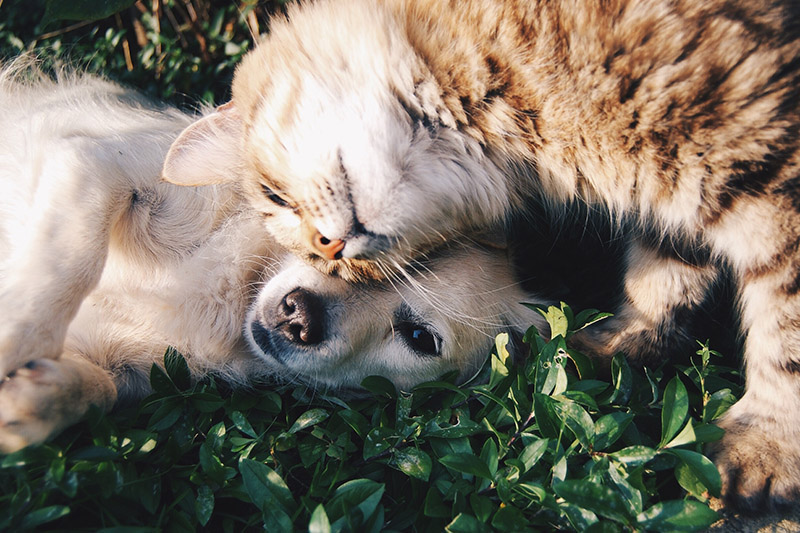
(330, 249)
(301, 317)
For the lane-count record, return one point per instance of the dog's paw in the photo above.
(45, 396)
(760, 468)
(31, 404)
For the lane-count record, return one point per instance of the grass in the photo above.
(548, 445)
(551, 444)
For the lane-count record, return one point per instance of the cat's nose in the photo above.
(300, 317)
(330, 249)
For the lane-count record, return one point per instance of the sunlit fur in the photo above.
(394, 125)
(104, 266)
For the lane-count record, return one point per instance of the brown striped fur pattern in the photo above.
(392, 126)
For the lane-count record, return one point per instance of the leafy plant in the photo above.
(177, 50)
(545, 445)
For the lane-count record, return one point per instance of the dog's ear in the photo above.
(208, 151)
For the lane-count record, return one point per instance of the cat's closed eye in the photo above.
(274, 197)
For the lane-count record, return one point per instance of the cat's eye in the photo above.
(274, 197)
(419, 338)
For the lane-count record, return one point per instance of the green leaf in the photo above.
(677, 515)
(696, 473)
(533, 452)
(509, 518)
(580, 518)
(204, 504)
(717, 404)
(489, 455)
(212, 464)
(578, 421)
(160, 381)
(622, 380)
(557, 319)
(167, 414)
(499, 368)
(536, 493)
(176, 366)
(412, 462)
(594, 497)
(355, 420)
(206, 402)
(708, 433)
(467, 464)
(434, 506)
(359, 496)
(269, 493)
(481, 506)
(634, 456)
(242, 424)
(686, 436)
(630, 495)
(587, 317)
(464, 523)
(674, 411)
(546, 414)
(583, 364)
(379, 386)
(83, 9)
(307, 419)
(44, 515)
(609, 428)
(319, 522)
(378, 440)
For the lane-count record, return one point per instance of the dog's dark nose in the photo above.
(300, 317)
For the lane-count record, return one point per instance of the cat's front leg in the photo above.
(662, 292)
(759, 456)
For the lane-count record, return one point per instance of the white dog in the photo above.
(104, 266)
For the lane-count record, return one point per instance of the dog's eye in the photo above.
(274, 197)
(419, 338)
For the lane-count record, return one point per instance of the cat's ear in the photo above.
(207, 152)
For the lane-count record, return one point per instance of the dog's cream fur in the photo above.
(104, 266)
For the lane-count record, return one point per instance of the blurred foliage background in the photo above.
(181, 51)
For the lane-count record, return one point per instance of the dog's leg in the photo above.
(58, 249)
(661, 293)
(45, 396)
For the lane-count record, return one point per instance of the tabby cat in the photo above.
(370, 132)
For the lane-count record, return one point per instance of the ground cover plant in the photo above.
(544, 445)
(550, 443)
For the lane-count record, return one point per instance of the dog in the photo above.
(105, 266)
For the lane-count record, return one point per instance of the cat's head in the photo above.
(342, 139)
(436, 317)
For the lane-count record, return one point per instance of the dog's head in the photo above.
(345, 142)
(442, 317)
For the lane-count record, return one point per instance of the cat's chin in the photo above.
(351, 270)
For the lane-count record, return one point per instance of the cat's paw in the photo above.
(760, 468)
(642, 343)
(36, 401)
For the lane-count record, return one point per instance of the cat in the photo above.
(105, 266)
(371, 132)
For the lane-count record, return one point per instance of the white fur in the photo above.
(105, 266)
